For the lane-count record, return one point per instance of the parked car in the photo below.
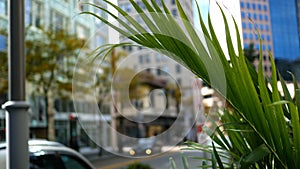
(144, 146)
(45, 154)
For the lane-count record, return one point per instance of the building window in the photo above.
(242, 5)
(266, 18)
(128, 8)
(251, 36)
(36, 14)
(244, 25)
(141, 59)
(58, 21)
(265, 8)
(81, 6)
(173, 2)
(254, 16)
(248, 5)
(260, 17)
(27, 12)
(82, 31)
(264, 58)
(141, 5)
(174, 12)
(158, 58)
(148, 70)
(178, 68)
(263, 37)
(147, 58)
(179, 82)
(268, 38)
(100, 40)
(158, 71)
(261, 27)
(165, 70)
(245, 35)
(253, 6)
(3, 7)
(259, 6)
(243, 15)
(250, 25)
(267, 27)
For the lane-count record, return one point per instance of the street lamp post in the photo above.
(16, 107)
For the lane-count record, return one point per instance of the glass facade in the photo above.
(285, 29)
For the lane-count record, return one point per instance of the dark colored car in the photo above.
(144, 146)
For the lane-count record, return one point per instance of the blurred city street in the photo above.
(160, 161)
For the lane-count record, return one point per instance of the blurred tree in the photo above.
(250, 53)
(50, 59)
(3, 72)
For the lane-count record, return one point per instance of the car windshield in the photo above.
(146, 141)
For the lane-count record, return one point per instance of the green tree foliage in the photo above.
(250, 53)
(3, 68)
(138, 166)
(3, 73)
(50, 60)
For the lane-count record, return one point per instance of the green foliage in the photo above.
(3, 72)
(51, 57)
(138, 166)
(262, 128)
(3, 68)
(250, 53)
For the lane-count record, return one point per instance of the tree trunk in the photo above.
(50, 117)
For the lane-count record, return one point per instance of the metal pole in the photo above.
(16, 107)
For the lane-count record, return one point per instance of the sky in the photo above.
(230, 7)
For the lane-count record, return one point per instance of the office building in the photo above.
(285, 29)
(256, 19)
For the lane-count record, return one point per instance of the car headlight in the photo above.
(132, 152)
(148, 151)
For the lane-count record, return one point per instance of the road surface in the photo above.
(161, 161)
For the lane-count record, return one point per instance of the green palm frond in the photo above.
(262, 130)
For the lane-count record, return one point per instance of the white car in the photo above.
(50, 155)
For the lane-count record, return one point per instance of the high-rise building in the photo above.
(285, 29)
(298, 15)
(256, 19)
